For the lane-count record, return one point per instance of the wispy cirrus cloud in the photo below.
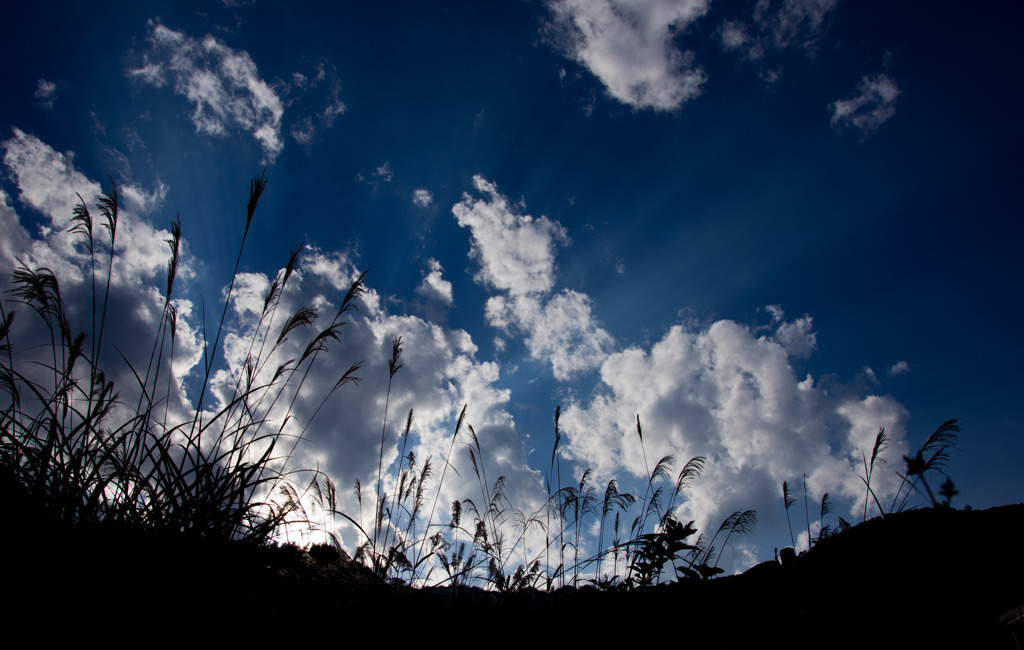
(382, 174)
(222, 84)
(46, 94)
(770, 27)
(872, 106)
(899, 368)
(302, 87)
(793, 23)
(774, 26)
(631, 47)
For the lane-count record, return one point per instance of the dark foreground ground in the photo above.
(924, 578)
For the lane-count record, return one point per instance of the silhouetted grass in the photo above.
(76, 455)
(486, 538)
(72, 452)
(933, 456)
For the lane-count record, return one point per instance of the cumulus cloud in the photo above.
(222, 84)
(872, 106)
(435, 293)
(48, 183)
(434, 286)
(141, 200)
(795, 336)
(384, 172)
(632, 47)
(725, 393)
(560, 330)
(516, 254)
(422, 197)
(14, 239)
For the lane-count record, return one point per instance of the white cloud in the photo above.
(517, 257)
(222, 84)
(47, 179)
(899, 368)
(631, 47)
(384, 172)
(49, 184)
(561, 331)
(142, 201)
(564, 333)
(434, 288)
(733, 397)
(872, 106)
(46, 94)
(734, 37)
(14, 240)
(422, 197)
(797, 338)
(516, 252)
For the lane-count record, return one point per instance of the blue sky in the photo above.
(768, 228)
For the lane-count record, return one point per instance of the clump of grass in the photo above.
(485, 539)
(72, 452)
(933, 455)
(826, 530)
